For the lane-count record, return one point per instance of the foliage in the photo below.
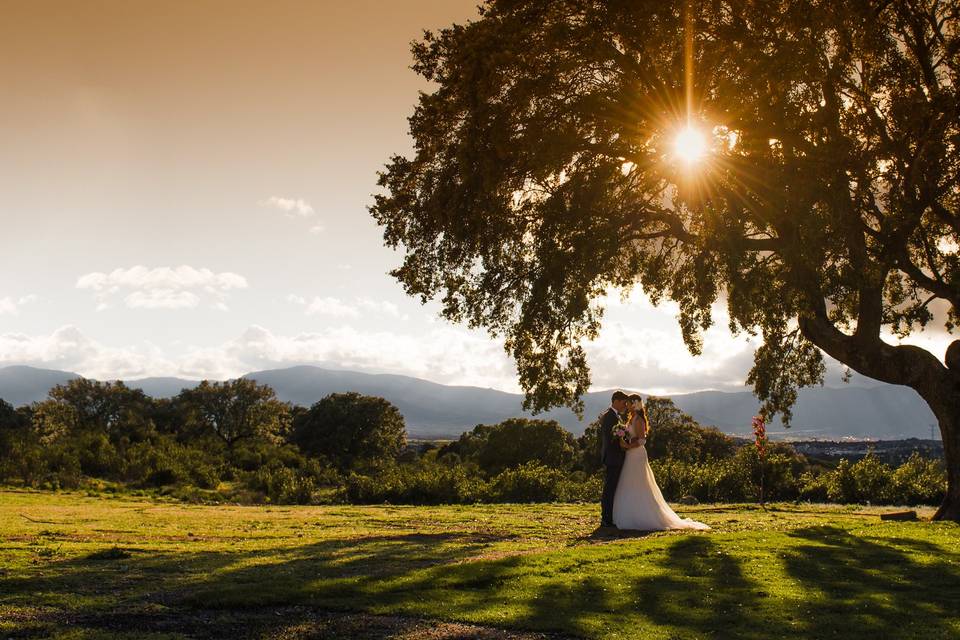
(916, 481)
(533, 482)
(516, 442)
(675, 434)
(415, 484)
(349, 447)
(81, 405)
(235, 410)
(351, 429)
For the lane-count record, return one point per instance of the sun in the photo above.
(690, 145)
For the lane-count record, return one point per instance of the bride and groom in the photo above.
(631, 498)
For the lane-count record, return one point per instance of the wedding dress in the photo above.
(638, 503)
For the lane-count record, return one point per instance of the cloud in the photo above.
(337, 308)
(317, 229)
(381, 307)
(291, 206)
(332, 307)
(183, 287)
(69, 349)
(162, 299)
(11, 306)
(445, 354)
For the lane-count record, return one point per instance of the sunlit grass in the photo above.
(71, 562)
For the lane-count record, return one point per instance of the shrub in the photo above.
(283, 485)
(918, 481)
(515, 442)
(414, 484)
(725, 480)
(534, 482)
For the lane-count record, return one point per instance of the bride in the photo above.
(638, 503)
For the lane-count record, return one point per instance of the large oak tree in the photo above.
(824, 216)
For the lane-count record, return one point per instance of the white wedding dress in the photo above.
(638, 503)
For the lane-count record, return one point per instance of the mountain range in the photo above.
(437, 410)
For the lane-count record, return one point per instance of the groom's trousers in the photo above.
(610, 480)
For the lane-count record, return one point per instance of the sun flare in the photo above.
(690, 145)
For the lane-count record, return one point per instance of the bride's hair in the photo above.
(636, 406)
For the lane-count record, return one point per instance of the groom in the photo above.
(611, 455)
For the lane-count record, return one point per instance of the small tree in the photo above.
(82, 405)
(351, 429)
(515, 442)
(235, 410)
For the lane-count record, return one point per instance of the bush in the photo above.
(163, 461)
(919, 481)
(916, 481)
(283, 485)
(515, 442)
(414, 484)
(533, 482)
(725, 480)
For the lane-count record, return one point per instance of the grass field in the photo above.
(78, 566)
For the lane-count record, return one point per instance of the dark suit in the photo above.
(612, 456)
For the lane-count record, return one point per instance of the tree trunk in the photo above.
(950, 434)
(906, 365)
(942, 393)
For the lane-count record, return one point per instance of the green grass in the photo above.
(77, 566)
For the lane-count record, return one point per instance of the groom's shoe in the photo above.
(607, 525)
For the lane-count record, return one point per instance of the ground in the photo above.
(91, 566)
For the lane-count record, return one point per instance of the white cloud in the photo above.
(291, 206)
(381, 307)
(337, 308)
(162, 299)
(11, 306)
(332, 307)
(446, 354)
(317, 229)
(162, 287)
(69, 349)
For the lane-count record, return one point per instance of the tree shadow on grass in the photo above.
(688, 586)
(702, 591)
(868, 588)
(99, 589)
(432, 576)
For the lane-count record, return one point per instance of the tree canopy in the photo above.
(824, 214)
(235, 410)
(515, 442)
(351, 429)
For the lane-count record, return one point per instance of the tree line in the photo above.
(236, 441)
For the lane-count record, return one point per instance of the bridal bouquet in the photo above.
(622, 431)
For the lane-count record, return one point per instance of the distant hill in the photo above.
(23, 385)
(436, 410)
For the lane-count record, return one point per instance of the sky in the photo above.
(184, 189)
